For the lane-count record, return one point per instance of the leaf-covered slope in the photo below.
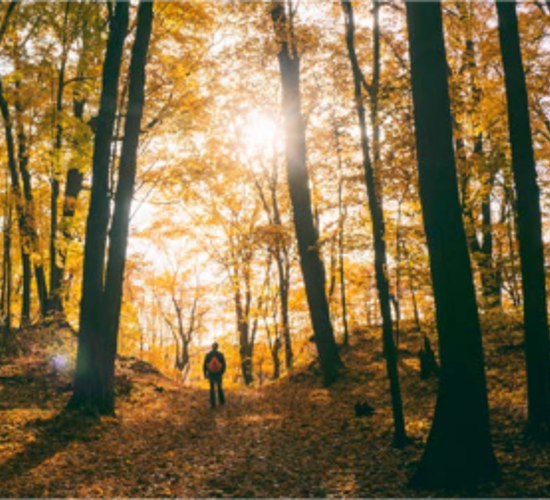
(289, 438)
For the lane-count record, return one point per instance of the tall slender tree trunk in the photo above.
(282, 262)
(510, 231)
(118, 242)
(531, 251)
(397, 295)
(89, 383)
(26, 279)
(31, 231)
(75, 171)
(55, 303)
(486, 172)
(283, 271)
(5, 299)
(459, 450)
(413, 292)
(19, 203)
(341, 229)
(245, 330)
(313, 271)
(378, 230)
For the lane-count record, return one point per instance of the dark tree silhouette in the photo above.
(125, 190)
(99, 320)
(313, 271)
(459, 450)
(531, 252)
(378, 225)
(89, 384)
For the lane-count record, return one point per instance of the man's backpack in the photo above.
(214, 365)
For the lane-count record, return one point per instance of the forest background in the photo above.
(212, 252)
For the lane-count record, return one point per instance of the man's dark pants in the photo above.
(216, 381)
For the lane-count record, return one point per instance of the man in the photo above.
(214, 368)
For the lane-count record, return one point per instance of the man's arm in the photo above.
(204, 366)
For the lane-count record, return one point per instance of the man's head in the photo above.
(215, 346)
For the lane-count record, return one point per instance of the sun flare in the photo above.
(259, 132)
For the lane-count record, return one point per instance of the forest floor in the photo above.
(290, 438)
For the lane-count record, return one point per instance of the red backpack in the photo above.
(214, 365)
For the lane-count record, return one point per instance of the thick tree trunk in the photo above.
(118, 241)
(378, 230)
(459, 450)
(313, 271)
(531, 252)
(89, 384)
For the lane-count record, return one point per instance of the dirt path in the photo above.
(292, 438)
(171, 443)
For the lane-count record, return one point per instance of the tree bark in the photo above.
(459, 450)
(341, 237)
(89, 384)
(6, 292)
(313, 271)
(531, 250)
(120, 226)
(378, 230)
(75, 172)
(31, 231)
(55, 302)
(19, 203)
(5, 22)
(486, 172)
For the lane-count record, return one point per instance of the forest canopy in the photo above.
(278, 178)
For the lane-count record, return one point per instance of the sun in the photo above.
(259, 133)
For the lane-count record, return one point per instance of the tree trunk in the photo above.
(490, 275)
(486, 172)
(510, 230)
(5, 299)
(243, 329)
(75, 175)
(412, 290)
(378, 230)
(341, 236)
(55, 302)
(531, 252)
(120, 226)
(5, 22)
(459, 450)
(313, 271)
(19, 206)
(283, 269)
(31, 231)
(89, 384)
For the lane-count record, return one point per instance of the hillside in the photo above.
(290, 438)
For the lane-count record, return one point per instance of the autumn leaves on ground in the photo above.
(287, 438)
